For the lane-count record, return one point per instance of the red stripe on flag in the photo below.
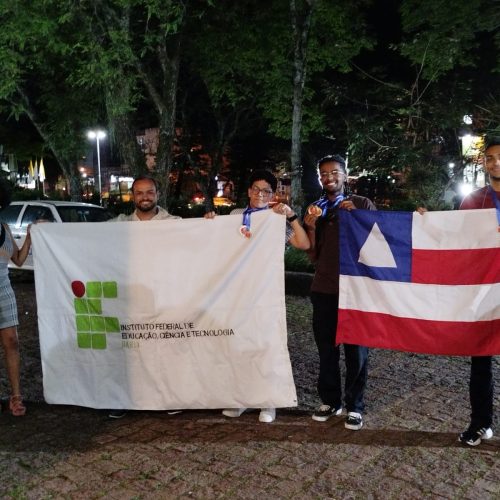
(456, 267)
(481, 338)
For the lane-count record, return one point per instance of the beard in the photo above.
(336, 188)
(146, 206)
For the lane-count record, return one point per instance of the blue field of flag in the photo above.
(376, 244)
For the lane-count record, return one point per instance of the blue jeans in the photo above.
(481, 391)
(325, 312)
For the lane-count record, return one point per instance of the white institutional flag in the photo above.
(164, 314)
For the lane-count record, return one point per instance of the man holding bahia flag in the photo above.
(429, 284)
(481, 373)
(322, 226)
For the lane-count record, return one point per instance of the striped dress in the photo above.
(8, 306)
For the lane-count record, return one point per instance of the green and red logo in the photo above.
(91, 325)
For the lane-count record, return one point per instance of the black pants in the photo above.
(325, 312)
(481, 391)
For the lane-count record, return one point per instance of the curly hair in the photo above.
(263, 175)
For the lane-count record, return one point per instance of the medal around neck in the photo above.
(314, 210)
(245, 231)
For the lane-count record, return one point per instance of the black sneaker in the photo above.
(117, 413)
(354, 421)
(324, 412)
(473, 435)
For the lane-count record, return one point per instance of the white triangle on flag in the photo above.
(376, 252)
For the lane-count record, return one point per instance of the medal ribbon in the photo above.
(326, 204)
(246, 215)
(496, 201)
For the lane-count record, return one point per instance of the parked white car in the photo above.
(19, 214)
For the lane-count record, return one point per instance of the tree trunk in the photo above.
(301, 23)
(164, 157)
(125, 135)
(165, 103)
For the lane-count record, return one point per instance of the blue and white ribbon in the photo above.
(326, 204)
(246, 215)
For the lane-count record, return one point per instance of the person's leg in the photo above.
(481, 401)
(481, 391)
(324, 326)
(356, 361)
(10, 346)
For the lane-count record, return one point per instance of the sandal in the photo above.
(16, 406)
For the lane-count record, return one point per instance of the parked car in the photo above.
(19, 214)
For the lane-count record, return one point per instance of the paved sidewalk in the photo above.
(408, 448)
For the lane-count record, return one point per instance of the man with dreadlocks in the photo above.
(322, 226)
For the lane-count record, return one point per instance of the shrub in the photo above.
(297, 260)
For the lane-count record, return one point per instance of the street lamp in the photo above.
(98, 135)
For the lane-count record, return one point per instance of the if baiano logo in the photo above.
(91, 326)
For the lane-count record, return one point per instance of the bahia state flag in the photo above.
(420, 283)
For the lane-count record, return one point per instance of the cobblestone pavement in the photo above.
(408, 447)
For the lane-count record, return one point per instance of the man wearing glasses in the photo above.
(262, 186)
(322, 226)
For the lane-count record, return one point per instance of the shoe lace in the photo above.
(324, 408)
(353, 415)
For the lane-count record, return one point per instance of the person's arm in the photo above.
(19, 255)
(468, 203)
(310, 220)
(299, 238)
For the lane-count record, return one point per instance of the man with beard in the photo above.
(145, 197)
(322, 226)
(481, 372)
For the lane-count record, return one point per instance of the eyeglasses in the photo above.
(333, 173)
(266, 193)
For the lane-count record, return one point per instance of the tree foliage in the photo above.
(35, 59)
(298, 72)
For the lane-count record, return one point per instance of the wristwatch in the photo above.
(292, 218)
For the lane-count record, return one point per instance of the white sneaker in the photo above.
(354, 421)
(267, 415)
(233, 412)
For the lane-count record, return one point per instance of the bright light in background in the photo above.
(465, 189)
(467, 119)
(451, 164)
(98, 135)
(471, 145)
